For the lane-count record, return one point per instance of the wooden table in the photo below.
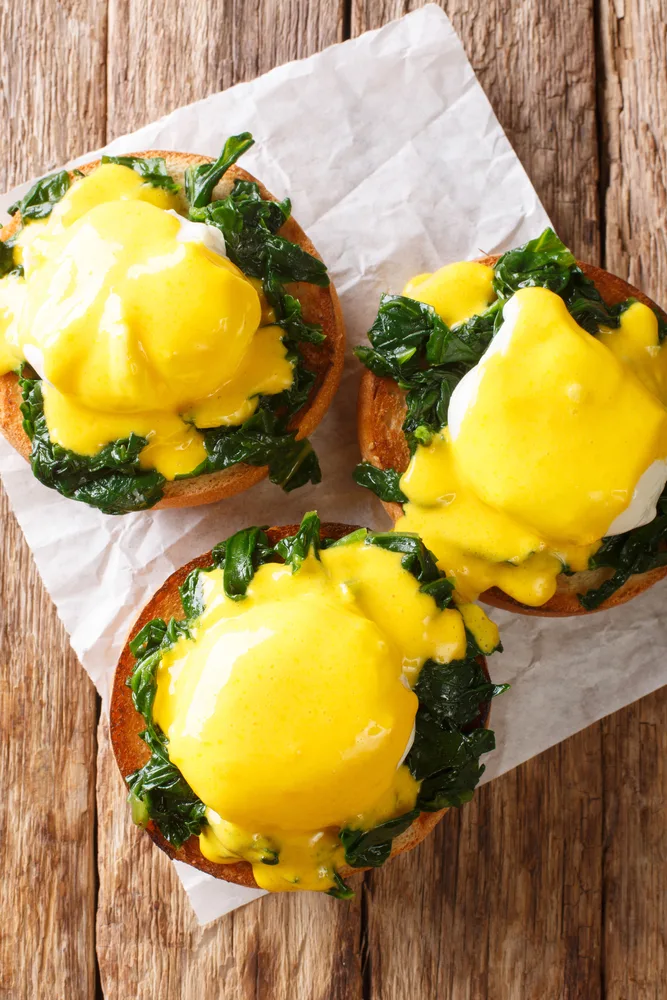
(552, 884)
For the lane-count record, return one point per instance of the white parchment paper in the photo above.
(395, 164)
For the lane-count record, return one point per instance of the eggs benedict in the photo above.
(168, 334)
(514, 415)
(300, 703)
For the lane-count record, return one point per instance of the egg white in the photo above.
(199, 232)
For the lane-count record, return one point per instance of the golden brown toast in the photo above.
(319, 305)
(131, 752)
(381, 411)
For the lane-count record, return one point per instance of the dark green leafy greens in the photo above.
(42, 196)
(547, 262)
(113, 481)
(295, 548)
(449, 740)
(636, 551)
(419, 561)
(449, 732)
(158, 791)
(453, 698)
(7, 262)
(263, 439)
(385, 483)
(371, 848)
(152, 169)
(412, 345)
(202, 179)
(239, 557)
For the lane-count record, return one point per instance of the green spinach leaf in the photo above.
(239, 557)
(385, 483)
(546, 262)
(263, 439)
(202, 179)
(42, 196)
(159, 792)
(152, 169)
(412, 345)
(419, 561)
(191, 594)
(636, 551)
(295, 548)
(341, 889)
(371, 848)
(455, 692)
(113, 480)
(7, 263)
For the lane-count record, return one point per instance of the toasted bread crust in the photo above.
(131, 753)
(381, 411)
(319, 305)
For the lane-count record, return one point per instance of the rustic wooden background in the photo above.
(552, 884)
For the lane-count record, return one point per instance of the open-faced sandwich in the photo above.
(301, 703)
(168, 333)
(513, 413)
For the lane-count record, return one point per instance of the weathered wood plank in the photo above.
(633, 113)
(633, 110)
(503, 903)
(148, 942)
(635, 857)
(536, 62)
(52, 107)
(165, 54)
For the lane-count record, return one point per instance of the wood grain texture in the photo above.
(552, 883)
(301, 947)
(536, 62)
(503, 901)
(52, 106)
(510, 889)
(148, 940)
(633, 110)
(635, 838)
(633, 115)
(165, 53)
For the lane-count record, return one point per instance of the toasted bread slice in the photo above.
(381, 411)
(131, 752)
(319, 305)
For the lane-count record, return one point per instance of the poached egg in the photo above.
(137, 322)
(290, 713)
(555, 439)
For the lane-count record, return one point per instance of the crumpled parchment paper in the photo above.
(395, 164)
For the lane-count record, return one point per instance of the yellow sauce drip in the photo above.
(289, 712)
(456, 291)
(135, 325)
(527, 481)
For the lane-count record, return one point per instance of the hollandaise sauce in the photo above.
(137, 323)
(290, 711)
(555, 439)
